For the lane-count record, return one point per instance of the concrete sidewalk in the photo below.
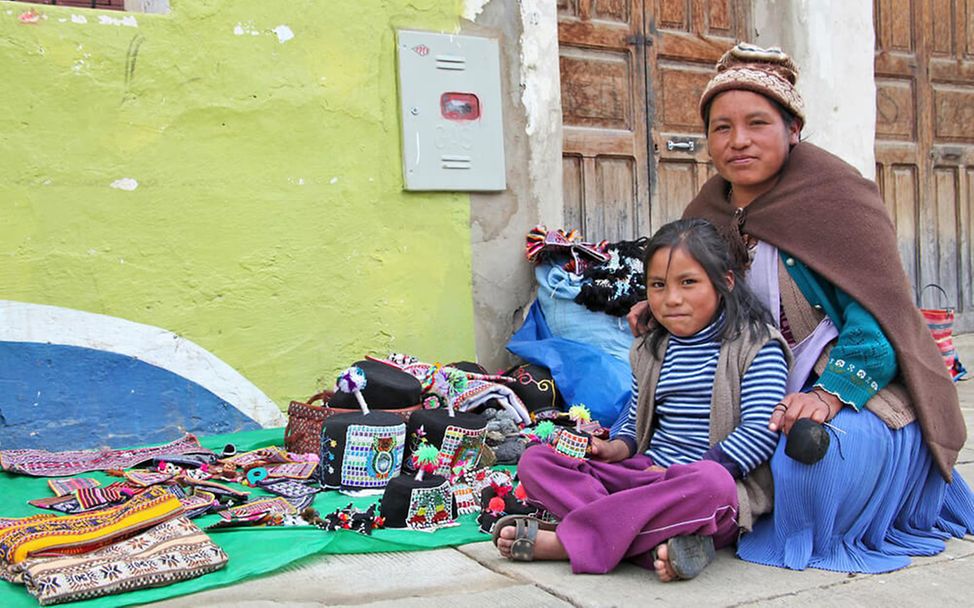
(474, 575)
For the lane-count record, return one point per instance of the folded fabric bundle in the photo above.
(62, 487)
(474, 391)
(169, 552)
(42, 463)
(85, 532)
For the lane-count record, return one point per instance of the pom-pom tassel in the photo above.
(426, 460)
(579, 414)
(352, 380)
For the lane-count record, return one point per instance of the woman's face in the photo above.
(680, 294)
(748, 142)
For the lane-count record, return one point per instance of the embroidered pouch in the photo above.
(87, 531)
(257, 508)
(288, 488)
(62, 504)
(572, 444)
(172, 551)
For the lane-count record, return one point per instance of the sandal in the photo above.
(526, 531)
(689, 555)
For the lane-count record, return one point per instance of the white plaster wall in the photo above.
(503, 280)
(833, 43)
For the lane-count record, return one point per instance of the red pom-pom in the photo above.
(500, 490)
(520, 492)
(496, 504)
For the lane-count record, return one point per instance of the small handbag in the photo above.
(305, 421)
(302, 435)
(940, 322)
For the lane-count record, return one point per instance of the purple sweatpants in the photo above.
(615, 511)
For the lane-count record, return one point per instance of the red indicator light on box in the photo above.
(459, 106)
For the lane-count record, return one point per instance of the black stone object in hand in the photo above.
(808, 441)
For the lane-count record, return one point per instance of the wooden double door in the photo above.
(925, 142)
(632, 72)
(634, 152)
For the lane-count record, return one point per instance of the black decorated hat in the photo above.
(494, 505)
(460, 438)
(387, 388)
(418, 503)
(536, 388)
(361, 451)
(469, 366)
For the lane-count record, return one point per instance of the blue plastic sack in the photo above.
(557, 289)
(582, 373)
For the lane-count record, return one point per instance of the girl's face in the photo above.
(680, 294)
(748, 142)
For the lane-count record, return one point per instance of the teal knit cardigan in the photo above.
(862, 360)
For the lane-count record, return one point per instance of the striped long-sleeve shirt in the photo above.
(683, 396)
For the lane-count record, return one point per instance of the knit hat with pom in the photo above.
(769, 72)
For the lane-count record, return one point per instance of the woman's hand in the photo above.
(608, 451)
(639, 318)
(818, 405)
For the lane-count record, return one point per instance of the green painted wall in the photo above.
(269, 223)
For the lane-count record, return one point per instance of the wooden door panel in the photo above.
(573, 189)
(950, 80)
(676, 98)
(902, 203)
(945, 205)
(895, 109)
(941, 29)
(965, 243)
(899, 159)
(604, 118)
(615, 181)
(953, 108)
(690, 36)
(596, 89)
(619, 11)
(678, 179)
(893, 24)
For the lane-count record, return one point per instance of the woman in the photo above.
(823, 257)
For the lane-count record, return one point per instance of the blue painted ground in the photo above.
(59, 397)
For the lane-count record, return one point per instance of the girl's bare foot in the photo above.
(664, 570)
(546, 544)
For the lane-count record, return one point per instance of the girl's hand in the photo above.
(818, 405)
(608, 451)
(655, 467)
(638, 318)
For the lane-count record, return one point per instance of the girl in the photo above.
(686, 466)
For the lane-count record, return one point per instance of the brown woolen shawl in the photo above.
(823, 212)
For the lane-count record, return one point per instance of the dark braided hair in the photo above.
(704, 243)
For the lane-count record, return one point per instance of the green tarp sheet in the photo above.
(252, 551)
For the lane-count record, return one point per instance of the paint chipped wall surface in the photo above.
(229, 172)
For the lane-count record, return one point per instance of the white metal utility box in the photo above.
(450, 94)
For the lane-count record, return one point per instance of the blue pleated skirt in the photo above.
(874, 500)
